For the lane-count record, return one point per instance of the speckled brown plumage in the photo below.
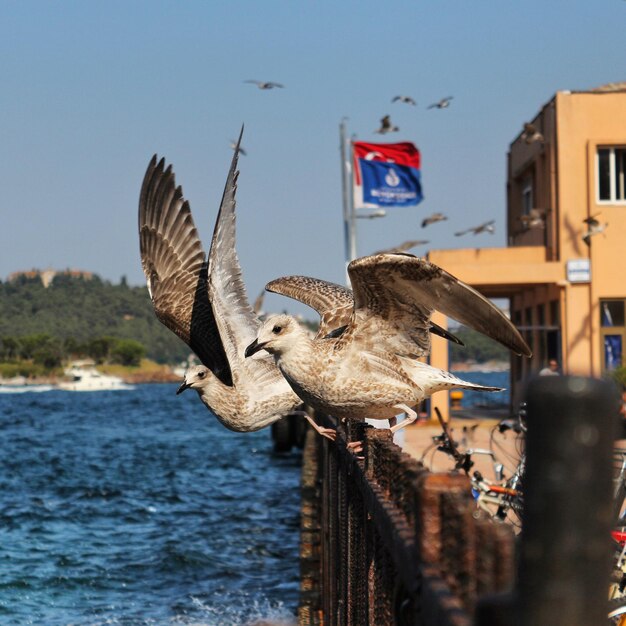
(371, 369)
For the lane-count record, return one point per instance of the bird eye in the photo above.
(277, 329)
(201, 374)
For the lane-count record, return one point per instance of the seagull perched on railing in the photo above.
(531, 134)
(204, 302)
(536, 218)
(433, 218)
(371, 369)
(444, 103)
(405, 99)
(594, 227)
(487, 227)
(264, 85)
(386, 126)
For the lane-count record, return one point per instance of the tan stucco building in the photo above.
(567, 292)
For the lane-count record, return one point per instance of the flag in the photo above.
(386, 174)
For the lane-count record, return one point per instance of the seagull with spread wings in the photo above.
(594, 227)
(205, 303)
(370, 368)
(405, 99)
(404, 246)
(233, 145)
(386, 126)
(486, 227)
(444, 103)
(433, 218)
(265, 84)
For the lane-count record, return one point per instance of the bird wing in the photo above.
(406, 245)
(395, 295)
(396, 98)
(173, 261)
(463, 232)
(333, 302)
(235, 318)
(256, 82)
(385, 122)
(276, 85)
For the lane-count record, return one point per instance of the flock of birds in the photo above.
(363, 361)
(534, 219)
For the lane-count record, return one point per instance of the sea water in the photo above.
(491, 399)
(139, 508)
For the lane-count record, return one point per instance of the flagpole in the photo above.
(349, 222)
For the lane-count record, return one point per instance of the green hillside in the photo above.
(74, 311)
(77, 316)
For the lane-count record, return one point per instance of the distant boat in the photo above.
(90, 379)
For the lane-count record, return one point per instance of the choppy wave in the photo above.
(140, 509)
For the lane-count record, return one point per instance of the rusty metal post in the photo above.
(565, 558)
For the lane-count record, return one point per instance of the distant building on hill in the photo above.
(48, 275)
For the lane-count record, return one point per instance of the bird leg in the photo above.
(329, 433)
(411, 416)
(356, 447)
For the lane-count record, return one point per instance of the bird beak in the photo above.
(183, 387)
(253, 348)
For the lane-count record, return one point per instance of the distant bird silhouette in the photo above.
(433, 219)
(594, 227)
(405, 99)
(257, 307)
(233, 145)
(386, 126)
(403, 247)
(536, 218)
(487, 227)
(531, 134)
(444, 103)
(264, 85)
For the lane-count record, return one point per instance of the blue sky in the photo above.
(90, 90)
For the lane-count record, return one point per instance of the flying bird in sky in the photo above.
(531, 134)
(264, 85)
(371, 370)
(233, 145)
(486, 227)
(403, 247)
(433, 218)
(594, 227)
(405, 99)
(386, 126)
(444, 103)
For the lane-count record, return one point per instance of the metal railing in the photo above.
(386, 542)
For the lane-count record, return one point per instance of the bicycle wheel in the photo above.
(617, 611)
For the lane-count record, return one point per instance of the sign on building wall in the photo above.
(579, 271)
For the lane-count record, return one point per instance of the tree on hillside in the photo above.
(127, 352)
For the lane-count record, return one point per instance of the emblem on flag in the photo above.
(386, 174)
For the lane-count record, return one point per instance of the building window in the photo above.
(527, 196)
(613, 332)
(611, 174)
